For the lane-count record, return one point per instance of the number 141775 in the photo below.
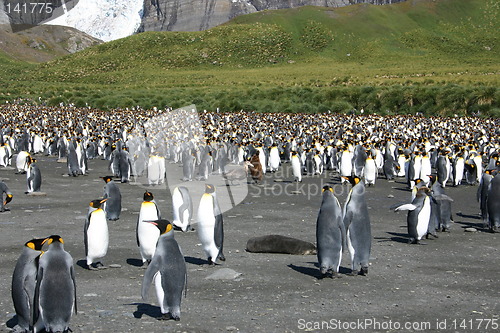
(475, 324)
(27, 8)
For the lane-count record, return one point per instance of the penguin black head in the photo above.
(148, 196)
(97, 203)
(163, 225)
(107, 179)
(8, 199)
(52, 239)
(354, 180)
(209, 188)
(35, 243)
(327, 188)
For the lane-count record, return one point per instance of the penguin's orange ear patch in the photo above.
(31, 245)
(169, 227)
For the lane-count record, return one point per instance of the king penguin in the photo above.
(419, 213)
(370, 170)
(210, 225)
(22, 161)
(113, 205)
(8, 196)
(95, 234)
(296, 167)
(182, 208)
(482, 195)
(55, 291)
(33, 176)
(493, 203)
(24, 282)
(168, 270)
(188, 165)
(357, 226)
(330, 234)
(147, 234)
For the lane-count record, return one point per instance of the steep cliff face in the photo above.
(196, 15)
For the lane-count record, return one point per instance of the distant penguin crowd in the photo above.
(243, 148)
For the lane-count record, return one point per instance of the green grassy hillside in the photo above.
(405, 57)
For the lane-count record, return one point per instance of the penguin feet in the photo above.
(4, 210)
(168, 316)
(433, 234)
(221, 257)
(363, 271)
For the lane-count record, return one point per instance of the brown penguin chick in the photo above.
(256, 168)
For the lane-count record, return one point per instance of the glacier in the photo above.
(104, 19)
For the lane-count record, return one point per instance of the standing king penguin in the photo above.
(147, 234)
(95, 234)
(357, 226)
(24, 282)
(168, 270)
(330, 234)
(419, 214)
(493, 203)
(33, 176)
(182, 208)
(113, 205)
(210, 225)
(55, 291)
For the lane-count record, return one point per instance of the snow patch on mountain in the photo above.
(104, 19)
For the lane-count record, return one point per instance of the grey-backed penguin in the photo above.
(113, 205)
(330, 234)
(182, 205)
(24, 282)
(55, 291)
(357, 225)
(419, 212)
(33, 176)
(482, 195)
(4, 189)
(147, 234)
(95, 234)
(188, 165)
(493, 203)
(168, 269)
(210, 225)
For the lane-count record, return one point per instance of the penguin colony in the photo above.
(429, 153)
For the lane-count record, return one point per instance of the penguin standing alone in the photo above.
(296, 167)
(168, 269)
(33, 176)
(95, 234)
(419, 213)
(24, 282)
(113, 205)
(210, 225)
(357, 226)
(330, 233)
(55, 291)
(146, 233)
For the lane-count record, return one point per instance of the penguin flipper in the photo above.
(149, 275)
(35, 311)
(85, 237)
(442, 197)
(406, 207)
(72, 273)
(137, 230)
(219, 234)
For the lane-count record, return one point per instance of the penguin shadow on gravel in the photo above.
(135, 262)
(146, 309)
(479, 226)
(12, 322)
(315, 272)
(197, 261)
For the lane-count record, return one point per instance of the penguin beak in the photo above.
(104, 200)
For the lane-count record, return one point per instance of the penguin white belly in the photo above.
(297, 172)
(97, 236)
(319, 165)
(402, 166)
(160, 294)
(21, 164)
(417, 165)
(370, 171)
(274, 159)
(154, 170)
(147, 233)
(345, 165)
(479, 165)
(206, 228)
(423, 219)
(3, 155)
(459, 171)
(425, 170)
